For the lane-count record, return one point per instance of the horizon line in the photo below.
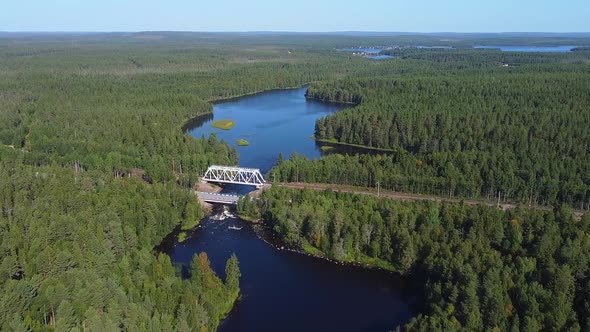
(300, 32)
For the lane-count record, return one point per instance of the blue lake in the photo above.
(371, 53)
(366, 50)
(380, 57)
(273, 122)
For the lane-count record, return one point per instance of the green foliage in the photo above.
(192, 215)
(247, 208)
(232, 274)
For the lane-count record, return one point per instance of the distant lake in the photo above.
(366, 50)
(552, 49)
(436, 47)
(380, 57)
(372, 53)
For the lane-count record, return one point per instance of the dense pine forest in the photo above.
(520, 134)
(95, 171)
(77, 253)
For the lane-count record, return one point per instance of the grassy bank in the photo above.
(243, 142)
(224, 124)
(253, 220)
(363, 260)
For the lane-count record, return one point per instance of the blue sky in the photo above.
(297, 15)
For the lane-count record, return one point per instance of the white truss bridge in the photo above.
(235, 175)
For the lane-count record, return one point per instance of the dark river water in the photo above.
(283, 290)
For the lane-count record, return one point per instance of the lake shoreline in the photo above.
(266, 234)
(337, 143)
(187, 121)
(329, 101)
(221, 100)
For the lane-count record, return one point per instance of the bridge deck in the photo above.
(218, 198)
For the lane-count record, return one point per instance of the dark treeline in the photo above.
(488, 58)
(522, 135)
(480, 268)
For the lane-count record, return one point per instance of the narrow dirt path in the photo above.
(410, 197)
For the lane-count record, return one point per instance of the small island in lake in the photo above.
(243, 142)
(224, 124)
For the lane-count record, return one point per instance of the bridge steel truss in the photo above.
(235, 175)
